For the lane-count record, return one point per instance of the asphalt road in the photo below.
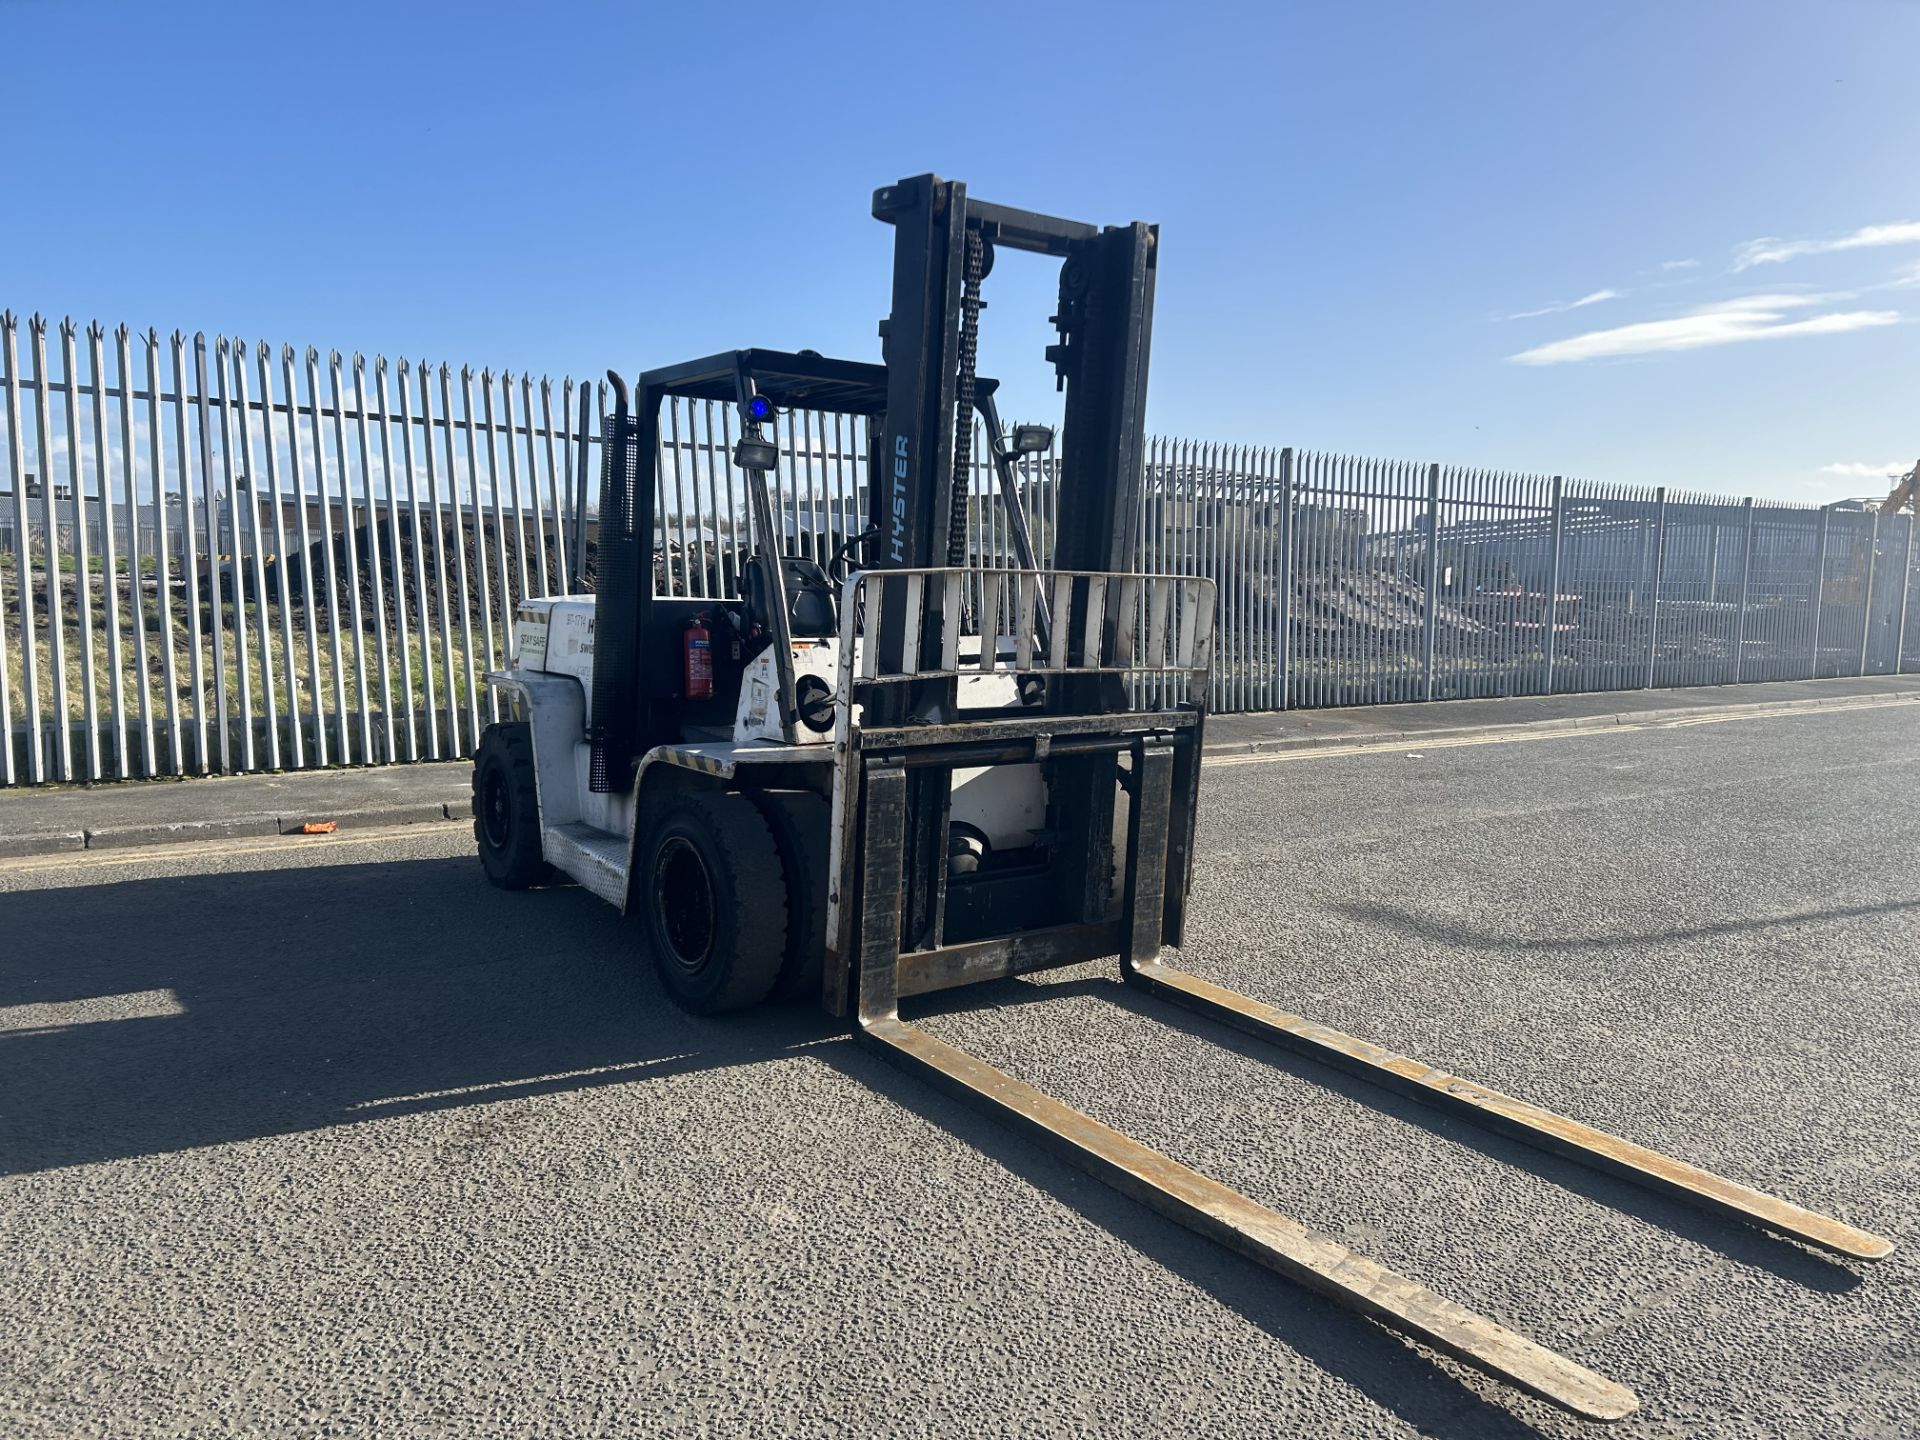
(325, 1137)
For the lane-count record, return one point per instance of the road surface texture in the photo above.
(325, 1137)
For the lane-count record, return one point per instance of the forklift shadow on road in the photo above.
(318, 997)
(311, 997)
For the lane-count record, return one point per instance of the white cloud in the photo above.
(1726, 322)
(1770, 250)
(1594, 299)
(1679, 264)
(1856, 470)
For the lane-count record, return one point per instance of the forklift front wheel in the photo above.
(506, 808)
(715, 902)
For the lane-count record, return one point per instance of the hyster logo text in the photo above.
(899, 536)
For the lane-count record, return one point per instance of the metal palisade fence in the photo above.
(1347, 581)
(221, 556)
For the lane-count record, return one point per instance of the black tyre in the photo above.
(800, 819)
(710, 886)
(506, 808)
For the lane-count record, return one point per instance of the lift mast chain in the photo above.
(963, 420)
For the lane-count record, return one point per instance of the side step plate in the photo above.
(1283, 1245)
(1508, 1116)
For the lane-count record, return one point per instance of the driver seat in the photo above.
(809, 598)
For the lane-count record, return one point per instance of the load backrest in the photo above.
(1153, 631)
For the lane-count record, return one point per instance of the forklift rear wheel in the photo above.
(800, 821)
(715, 902)
(506, 808)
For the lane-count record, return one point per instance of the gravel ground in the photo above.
(326, 1137)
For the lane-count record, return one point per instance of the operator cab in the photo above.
(758, 386)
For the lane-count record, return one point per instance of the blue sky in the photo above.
(1645, 243)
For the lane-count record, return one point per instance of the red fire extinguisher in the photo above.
(697, 652)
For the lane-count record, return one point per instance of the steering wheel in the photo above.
(837, 566)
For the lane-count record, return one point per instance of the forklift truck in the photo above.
(905, 772)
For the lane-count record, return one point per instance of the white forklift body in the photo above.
(589, 837)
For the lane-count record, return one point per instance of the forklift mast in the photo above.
(945, 244)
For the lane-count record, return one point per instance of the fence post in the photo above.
(1819, 590)
(1659, 576)
(1906, 588)
(581, 482)
(1866, 593)
(1284, 575)
(1553, 577)
(1746, 570)
(217, 614)
(1433, 573)
(30, 662)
